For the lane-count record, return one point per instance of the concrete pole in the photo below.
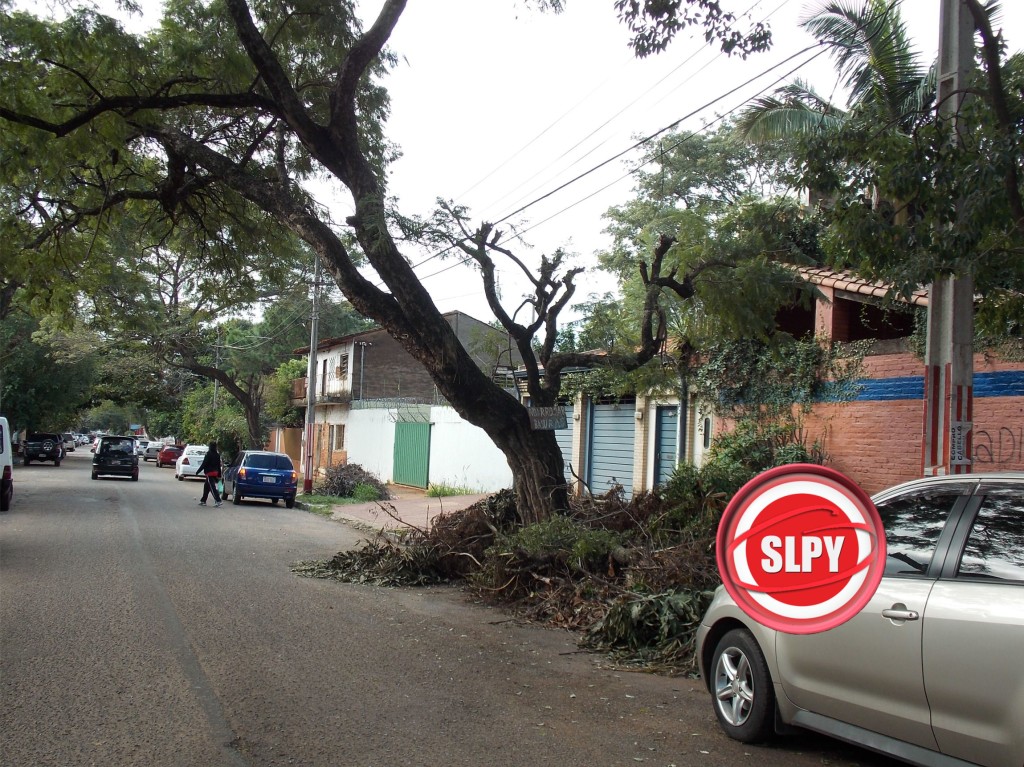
(307, 470)
(947, 445)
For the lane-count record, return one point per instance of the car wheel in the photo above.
(181, 477)
(159, 465)
(135, 477)
(56, 463)
(24, 461)
(236, 497)
(95, 475)
(289, 502)
(274, 501)
(742, 688)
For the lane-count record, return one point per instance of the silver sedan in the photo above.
(931, 670)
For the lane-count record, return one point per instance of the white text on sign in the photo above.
(811, 548)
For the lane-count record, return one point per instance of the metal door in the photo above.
(666, 441)
(564, 439)
(412, 454)
(610, 453)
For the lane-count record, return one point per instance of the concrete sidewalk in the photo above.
(412, 507)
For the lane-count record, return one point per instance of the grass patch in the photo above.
(322, 504)
(443, 490)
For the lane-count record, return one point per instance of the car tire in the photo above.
(289, 502)
(159, 465)
(741, 686)
(95, 475)
(56, 463)
(181, 477)
(236, 497)
(135, 477)
(24, 461)
(274, 501)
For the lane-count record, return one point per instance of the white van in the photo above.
(6, 466)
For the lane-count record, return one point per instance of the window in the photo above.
(995, 546)
(913, 523)
(268, 461)
(341, 371)
(338, 439)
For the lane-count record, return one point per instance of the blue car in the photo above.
(261, 474)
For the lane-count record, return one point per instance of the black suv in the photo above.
(42, 446)
(115, 456)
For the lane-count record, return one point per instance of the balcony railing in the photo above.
(330, 388)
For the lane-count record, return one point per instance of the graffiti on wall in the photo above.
(1004, 446)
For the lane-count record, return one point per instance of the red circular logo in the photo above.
(801, 548)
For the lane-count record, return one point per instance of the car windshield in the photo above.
(265, 461)
(117, 446)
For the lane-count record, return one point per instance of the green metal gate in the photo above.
(412, 453)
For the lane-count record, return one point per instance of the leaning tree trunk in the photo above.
(538, 472)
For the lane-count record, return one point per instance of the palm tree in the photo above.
(873, 55)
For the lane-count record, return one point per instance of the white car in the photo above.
(188, 462)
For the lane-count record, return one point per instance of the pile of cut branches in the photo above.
(616, 571)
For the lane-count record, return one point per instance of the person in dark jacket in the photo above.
(211, 468)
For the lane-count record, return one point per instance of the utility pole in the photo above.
(947, 446)
(307, 473)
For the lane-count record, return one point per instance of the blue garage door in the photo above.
(564, 439)
(610, 453)
(666, 441)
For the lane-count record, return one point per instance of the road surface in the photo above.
(139, 629)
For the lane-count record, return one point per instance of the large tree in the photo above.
(207, 124)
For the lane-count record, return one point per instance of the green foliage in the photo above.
(650, 629)
(559, 540)
(365, 492)
(444, 490)
(45, 375)
(754, 379)
(277, 406)
(203, 420)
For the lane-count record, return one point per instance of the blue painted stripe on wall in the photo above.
(1008, 383)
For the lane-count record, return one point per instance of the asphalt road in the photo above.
(139, 629)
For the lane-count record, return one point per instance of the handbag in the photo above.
(220, 487)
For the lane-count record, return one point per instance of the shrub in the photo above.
(343, 481)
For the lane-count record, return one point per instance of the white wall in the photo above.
(462, 455)
(370, 440)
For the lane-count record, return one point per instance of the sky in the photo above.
(497, 106)
(520, 115)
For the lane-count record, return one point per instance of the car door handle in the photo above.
(899, 612)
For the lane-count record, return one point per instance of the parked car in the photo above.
(261, 474)
(189, 460)
(6, 466)
(168, 455)
(115, 456)
(931, 670)
(152, 450)
(70, 443)
(42, 446)
(140, 446)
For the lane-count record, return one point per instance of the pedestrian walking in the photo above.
(210, 467)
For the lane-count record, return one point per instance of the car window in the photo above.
(116, 446)
(913, 523)
(259, 461)
(995, 545)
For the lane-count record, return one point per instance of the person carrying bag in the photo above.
(211, 468)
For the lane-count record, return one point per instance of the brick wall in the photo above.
(876, 439)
